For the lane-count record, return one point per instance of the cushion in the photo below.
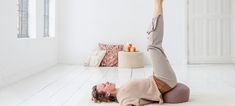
(180, 93)
(111, 57)
(95, 58)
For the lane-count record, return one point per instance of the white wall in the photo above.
(21, 58)
(85, 23)
(233, 31)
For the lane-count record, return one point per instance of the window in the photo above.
(22, 18)
(35, 18)
(46, 18)
(49, 18)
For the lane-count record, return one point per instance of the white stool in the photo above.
(130, 59)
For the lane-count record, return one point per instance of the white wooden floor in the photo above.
(70, 85)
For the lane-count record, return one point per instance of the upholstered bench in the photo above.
(180, 93)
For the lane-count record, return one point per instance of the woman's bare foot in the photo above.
(158, 7)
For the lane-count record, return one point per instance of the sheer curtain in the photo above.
(22, 18)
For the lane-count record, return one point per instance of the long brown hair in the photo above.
(99, 97)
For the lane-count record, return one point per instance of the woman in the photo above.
(145, 91)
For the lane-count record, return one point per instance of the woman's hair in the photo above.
(99, 97)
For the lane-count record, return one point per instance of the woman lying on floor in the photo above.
(145, 91)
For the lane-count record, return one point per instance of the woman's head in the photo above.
(104, 92)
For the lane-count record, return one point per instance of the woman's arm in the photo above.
(158, 7)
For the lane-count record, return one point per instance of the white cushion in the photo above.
(95, 58)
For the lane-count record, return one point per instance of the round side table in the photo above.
(130, 59)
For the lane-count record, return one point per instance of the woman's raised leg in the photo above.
(161, 66)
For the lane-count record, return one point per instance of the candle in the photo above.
(132, 49)
(129, 45)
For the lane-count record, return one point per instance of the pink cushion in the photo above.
(180, 93)
(111, 57)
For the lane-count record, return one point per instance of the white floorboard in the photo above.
(70, 85)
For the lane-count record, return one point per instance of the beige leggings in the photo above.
(161, 66)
